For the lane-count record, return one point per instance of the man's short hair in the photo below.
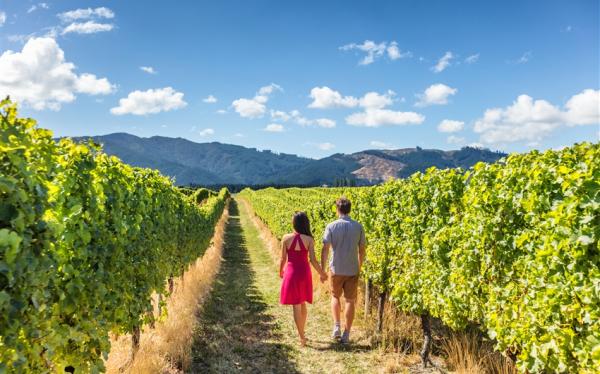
(343, 205)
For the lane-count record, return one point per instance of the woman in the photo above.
(296, 288)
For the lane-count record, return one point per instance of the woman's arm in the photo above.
(314, 262)
(283, 258)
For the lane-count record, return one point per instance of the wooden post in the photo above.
(171, 284)
(135, 340)
(159, 305)
(367, 297)
(426, 327)
(380, 307)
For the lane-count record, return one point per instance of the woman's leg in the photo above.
(300, 321)
(304, 315)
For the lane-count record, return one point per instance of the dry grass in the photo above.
(467, 352)
(167, 347)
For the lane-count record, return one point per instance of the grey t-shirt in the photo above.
(344, 235)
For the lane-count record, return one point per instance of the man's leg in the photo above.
(349, 314)
(335, 309)
(350, 293)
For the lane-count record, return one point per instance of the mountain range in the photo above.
(226, 164)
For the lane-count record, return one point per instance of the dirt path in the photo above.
(243, 328)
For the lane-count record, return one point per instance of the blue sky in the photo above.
(310, 77)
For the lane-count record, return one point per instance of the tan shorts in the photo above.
(346, 283)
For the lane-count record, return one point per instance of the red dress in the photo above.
(296, 287)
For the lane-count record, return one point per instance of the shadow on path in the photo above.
(235, 331)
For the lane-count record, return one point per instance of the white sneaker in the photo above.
(337, 332)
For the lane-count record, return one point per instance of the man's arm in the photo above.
(325, 255)
(362, 250)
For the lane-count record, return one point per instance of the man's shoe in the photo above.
(345, 338)
(337, 333)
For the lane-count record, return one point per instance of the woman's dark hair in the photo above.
(301, 224)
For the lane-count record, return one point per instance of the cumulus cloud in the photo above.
(210, 99)
(148, 69)
(449, 125)
(472, 59)
(325, 122)
(88, 13)
(531, 120)
(150, 102)
(443, 62)
(274, 127)
(436, 94)
(40, 76)
(89, 27)
(374, 114)
(380, 117)
(375, 51)
(280, 115)
(324, 98)
(206, 132)
(298, 118)
(255, 107)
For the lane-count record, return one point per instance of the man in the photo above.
(346, 237)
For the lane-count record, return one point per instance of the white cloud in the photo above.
(206, 132)
(525, 57)
(221, 111)
(2, 18)
(381, 145)
(274, 127)
(89, 27)
(374, 51)
(453, 139)
(436, 94)
(298, 118)
(472, 59)
(279, 115)
(150, 102)
(324, 98)
(255, 107)
(90, 84)
(210, 99)
(325, 146)
(40, 77)
(148, 69)
(249, 108)
(394, 53)
(449, 125)
(238, 135)
(374, 100)
(88, 13)
(531, 120)
(583, 108)
(325, 122)
(443, 62)
(476, 145)
(380, 117)
(37, 6)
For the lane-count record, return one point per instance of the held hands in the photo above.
(323, 277)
